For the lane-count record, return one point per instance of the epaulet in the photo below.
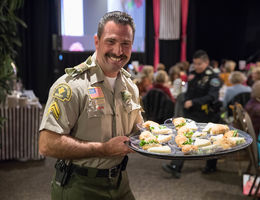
(79, 69)
(126, 73)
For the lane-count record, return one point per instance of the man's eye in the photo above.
(126, 44)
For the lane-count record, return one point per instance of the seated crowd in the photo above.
(203, 89)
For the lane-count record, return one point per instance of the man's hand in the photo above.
(116, 146)
(188, 104)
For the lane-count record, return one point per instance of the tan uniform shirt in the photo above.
(84, 105)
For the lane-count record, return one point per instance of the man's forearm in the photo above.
(65, 147)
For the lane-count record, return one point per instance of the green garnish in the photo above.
(143, 142)
(235, 133)
(162, 127)
(188, 134)
(181, 124)
(152, 127)
(189, 141)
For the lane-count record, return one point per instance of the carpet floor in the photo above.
(20, 180)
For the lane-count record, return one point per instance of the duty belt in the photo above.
(94, 172)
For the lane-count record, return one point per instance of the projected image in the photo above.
(79, 21)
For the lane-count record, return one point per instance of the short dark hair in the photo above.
(201, 54)
(119, 18)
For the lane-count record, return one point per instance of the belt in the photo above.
(94, 172)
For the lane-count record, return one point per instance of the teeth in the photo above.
(115, 59)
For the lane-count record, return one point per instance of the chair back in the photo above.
(157, 106)
(241, 98)
(243, 122)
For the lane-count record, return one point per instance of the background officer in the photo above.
(200, 103)
(89, 114)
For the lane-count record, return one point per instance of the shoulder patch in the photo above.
(79, 69)
(215, 82)
(62, 92)
(54, 109)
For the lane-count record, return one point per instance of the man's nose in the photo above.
(118, 50)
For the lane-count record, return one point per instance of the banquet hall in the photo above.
(40, 39)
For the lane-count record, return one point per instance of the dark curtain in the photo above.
(34, 60)
(169, 52)
(225, 29)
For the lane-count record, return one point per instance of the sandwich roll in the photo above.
(161, 130)
(232, 133)
(161, 149)
(214, 138)
(164, 138)
(201, 142)
(208, 127)
(179, 122)
(187, 149)
(150, 145)
(149, 123)
(219, 129)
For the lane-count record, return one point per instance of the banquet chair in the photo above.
(241, 98)
(157, 106)
(243, 122)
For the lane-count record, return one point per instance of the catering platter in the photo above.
(176, 152)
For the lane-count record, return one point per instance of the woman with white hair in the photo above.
(237, 79)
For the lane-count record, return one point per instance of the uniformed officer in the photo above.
(200, 102)
(89, 114)
(203, 90)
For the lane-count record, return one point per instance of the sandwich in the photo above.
(208, 149)
(164, 138)
(192, 125)
(179, 122)
(219, 129)
(199, 134)
(160, 129)
(201, 142)
(237, 140)
(147, 136)
(148, 140)
(180, 140)
(232, 133)
(160, 149)
(225, 143)
(208, 127)
(188, 149)
(149, 124)
(214, 138)
(185, 130)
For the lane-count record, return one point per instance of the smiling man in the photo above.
(89, 114)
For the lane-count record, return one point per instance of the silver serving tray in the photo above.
(177, 154)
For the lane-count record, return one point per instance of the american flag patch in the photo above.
(95, 92)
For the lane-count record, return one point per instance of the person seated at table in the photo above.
(176, 82)
(161, 81)
(145, 80)
(237, 79)
(229, 66)
(253, 107)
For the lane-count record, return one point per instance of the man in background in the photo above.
(200, 102)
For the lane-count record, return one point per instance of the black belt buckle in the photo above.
(112, 172)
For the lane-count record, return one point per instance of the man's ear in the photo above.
(96, 40)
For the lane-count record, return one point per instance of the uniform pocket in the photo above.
(98, 108)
